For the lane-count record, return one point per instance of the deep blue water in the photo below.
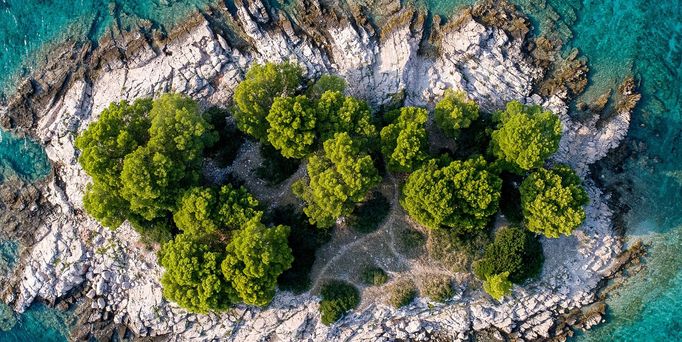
(619, 37)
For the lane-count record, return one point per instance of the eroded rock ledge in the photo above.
(484, 51)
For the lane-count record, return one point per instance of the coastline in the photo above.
(74, 98)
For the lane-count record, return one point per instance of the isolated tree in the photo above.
(462, 195)
(497, 285)
(455, 112)
(552, 201)
(292, 123)
(326, 83)
(256, 93)
(516, 251)
(338, 179)
(526, 136)
(256, 256)
(120, 130)
(203, 210)
(192, 276)
(404, 142)
(338, 113)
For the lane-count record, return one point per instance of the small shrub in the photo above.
(368, 216)
(497, 286)
(402, 293)
(275, 168)
(374, 276)
(438, 289)
(515, 251)
(338, 297)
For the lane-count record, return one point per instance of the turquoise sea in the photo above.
(619, 38)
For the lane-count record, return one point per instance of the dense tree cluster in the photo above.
(455, 112)
(552, 201)
(338, 179)
(462, 195)
(404, 142)
(219, 248)
(141, 157)
(526, 136)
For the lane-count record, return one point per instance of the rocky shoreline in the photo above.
(486, 51)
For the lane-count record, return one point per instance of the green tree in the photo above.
(120, 130)
(498, 286)
(337, 181)
(455, 112)
(204, 210)
(192, 276)
(256, 256)
(516, 251)
(292, 123)
(338, 297)
(405, 141)
(526, 136)
(338, 114)
(326, 83)
(256, 93)
(154, 175)
(552, 201)
(462, 195)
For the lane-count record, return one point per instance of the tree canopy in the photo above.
(338, 179)
(455, 112)
(192, 276)
(552, 201)
(256, 256)
(461, 195)
(292, 123)
(404, 142)
(516, 251)
(154, 175)
(525, 136)
(140, 158)
(338, 114)
(206, 211)
(254, 96)
(326, 83)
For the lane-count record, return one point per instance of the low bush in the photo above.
(374, 276)
(497, 286)
(515, 251)
(402, 293)
(368, 216)
(275, 169)
(338, 297)
(438, 289)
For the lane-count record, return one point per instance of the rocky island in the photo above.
(397, 56)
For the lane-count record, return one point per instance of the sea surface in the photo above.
(620, 38)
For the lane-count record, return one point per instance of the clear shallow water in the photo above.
(21, 157)
(619, 37)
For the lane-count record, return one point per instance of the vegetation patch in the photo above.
(402, 293)
(374, 276)
(338, 297)
(437, 288)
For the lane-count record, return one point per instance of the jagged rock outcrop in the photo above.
(119, 277)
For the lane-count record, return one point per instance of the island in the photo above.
(320, 171)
